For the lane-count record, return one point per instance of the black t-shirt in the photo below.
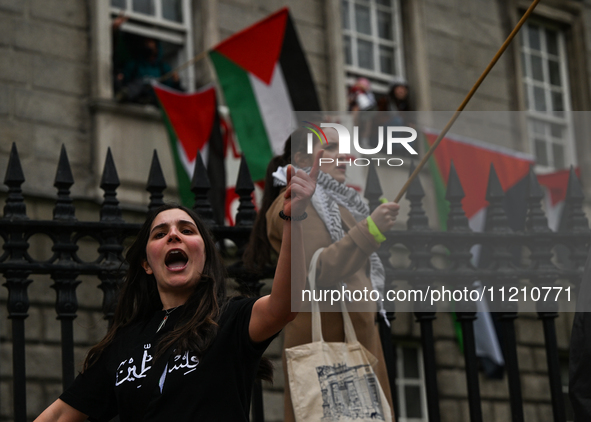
(214, 387)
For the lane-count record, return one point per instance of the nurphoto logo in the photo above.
(392, 136)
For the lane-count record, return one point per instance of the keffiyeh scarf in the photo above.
(328, 196)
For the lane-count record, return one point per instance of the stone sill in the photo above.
(147, 112)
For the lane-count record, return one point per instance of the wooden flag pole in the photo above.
(195, 59)
(468, 97)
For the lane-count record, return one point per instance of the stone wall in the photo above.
(44, 92)
(458, 53)
(44, 87)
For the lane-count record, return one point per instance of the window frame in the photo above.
(549, 117)
(380, 80)
(402, 382)
(177, 33)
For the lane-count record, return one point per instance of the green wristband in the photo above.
(374, 231)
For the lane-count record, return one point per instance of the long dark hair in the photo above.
(139, 298)
(258, 252)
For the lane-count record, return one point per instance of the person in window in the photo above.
(144, 62)
(123, 43)
(179, 349)
(398, 95)
(338, 221)
(360, 96)
(392, 110)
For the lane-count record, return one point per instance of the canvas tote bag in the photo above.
(334, 381)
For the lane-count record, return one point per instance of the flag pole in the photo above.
(195, 59)
(468, 97)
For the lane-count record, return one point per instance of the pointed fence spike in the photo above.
(459, 251)
(14, 170)
(497, 252)
(200, 187)
(454, 190)
(63, 175)
(15, 207)
(496, 217)
(156, 176)
(373, 188)
(576, 220)
(534, 189)
(574, 185)
(110, 210)
(494, 188)
(540, 246)
(244, 180)
(416, 188)
(200, 179)
(110, 177)
(456, 218)
(244, 188)
(536, 219)
(64, 209)
(156, 183)
(417, 219)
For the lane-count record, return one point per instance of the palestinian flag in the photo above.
(193, 126)
(264, 77)
(472, 160)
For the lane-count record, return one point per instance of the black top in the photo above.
(215, 387)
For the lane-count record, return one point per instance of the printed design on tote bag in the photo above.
(349, 392)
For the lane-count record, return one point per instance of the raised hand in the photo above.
(385, 215)
(300, 188)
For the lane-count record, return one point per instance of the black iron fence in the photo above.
(65, 266)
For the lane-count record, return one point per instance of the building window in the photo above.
(546, 86)
(167, 21)
(410, 384)
(372, 40)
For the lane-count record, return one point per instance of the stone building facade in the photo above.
(56, 87)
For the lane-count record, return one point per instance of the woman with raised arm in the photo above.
(179, 349)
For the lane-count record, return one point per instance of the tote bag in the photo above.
(334, 382)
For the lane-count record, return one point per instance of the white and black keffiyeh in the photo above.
(328, 196)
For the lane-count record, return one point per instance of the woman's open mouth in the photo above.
(176, 260)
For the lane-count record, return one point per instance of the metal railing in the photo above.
(65, 266)
(540, 270)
